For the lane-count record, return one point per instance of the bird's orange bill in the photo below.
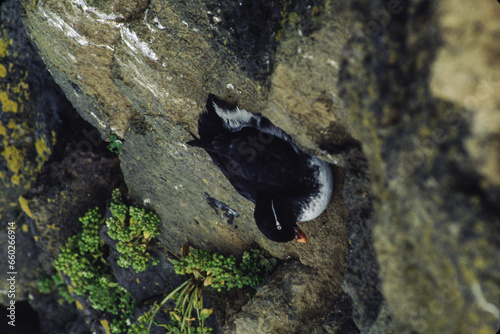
(300, 236)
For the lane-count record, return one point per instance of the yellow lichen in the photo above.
(53, 227)
(12, 124)
(3, 130)
(14, 158)
(17, 131)
(7, 104)
(21, 87)
(15, 179)
(25, 228)
(42, 150)
(3, 47)
(78, 304)
(53, 137)
(485, 329)
(105, 325)
(3, 71)
(24, 205)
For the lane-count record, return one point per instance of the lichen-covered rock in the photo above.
(434, 228)
(146, 77)
(30, 103)
(66, 190)
(466, 72)
(337, 76)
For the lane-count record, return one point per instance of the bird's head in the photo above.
(276, 220)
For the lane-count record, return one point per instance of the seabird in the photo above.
(264, 165)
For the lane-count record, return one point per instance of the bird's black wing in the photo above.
(264, 160)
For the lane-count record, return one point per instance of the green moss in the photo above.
(293, 19)
(90, 275)
(286, 17)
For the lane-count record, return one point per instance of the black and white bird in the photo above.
(266, 167)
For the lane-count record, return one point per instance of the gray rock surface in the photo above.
(381, 89)
(435, 207)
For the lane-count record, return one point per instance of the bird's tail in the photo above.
(210, 124)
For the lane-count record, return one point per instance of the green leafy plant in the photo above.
(133, 228)
(115, 144)
(82, 261)
(47, 284)
(82, 258)
(219, 271)
(206, 269)
(188, 297)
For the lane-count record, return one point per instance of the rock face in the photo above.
(30, 105)
(408, 243)
(435, 203)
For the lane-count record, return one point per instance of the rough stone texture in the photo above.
(434, 231)
(67, 189)
(287, 300)
(410, 235)
(145, 77)
(361, 281)
(470, 36)
(78, 176)
(30, 102)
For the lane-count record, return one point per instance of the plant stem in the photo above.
(169, 296)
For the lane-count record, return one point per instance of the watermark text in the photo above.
(11, 272)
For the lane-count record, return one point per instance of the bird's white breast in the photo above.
(319, 203)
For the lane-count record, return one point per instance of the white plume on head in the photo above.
(234, 119)
(238, 118)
